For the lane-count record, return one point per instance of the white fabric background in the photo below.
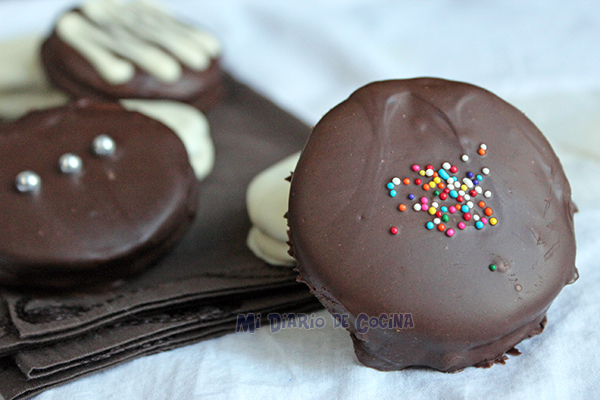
(309, 55)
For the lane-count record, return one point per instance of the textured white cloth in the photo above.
(309, 55)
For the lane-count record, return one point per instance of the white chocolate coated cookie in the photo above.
(23, 85)
(267, 202)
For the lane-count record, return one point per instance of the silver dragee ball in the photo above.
(70, 163)
(103, 145)
(28, 181)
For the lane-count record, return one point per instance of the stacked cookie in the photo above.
(111, 175)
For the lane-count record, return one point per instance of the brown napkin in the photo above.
(140, 330)
(15, 384)
(190, 295)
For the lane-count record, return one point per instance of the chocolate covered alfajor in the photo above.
(439, 202)
(113, 49)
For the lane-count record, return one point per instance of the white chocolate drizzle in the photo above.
(114, 36)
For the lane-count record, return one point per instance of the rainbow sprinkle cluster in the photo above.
(446, 196)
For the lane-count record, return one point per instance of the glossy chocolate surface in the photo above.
(341, 214)
(116, 216)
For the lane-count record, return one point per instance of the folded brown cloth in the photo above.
(15, 385)
(139, 330)
(190, 295)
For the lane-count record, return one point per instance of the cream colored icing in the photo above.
(115, 36)
(267, 202)
(268, 249)
(267, 198)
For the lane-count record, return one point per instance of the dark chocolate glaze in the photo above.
(119, 215)
(70, 72)
(340, 217)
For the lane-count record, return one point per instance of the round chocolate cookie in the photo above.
(92, 193)
(437, 217)
(111, 50)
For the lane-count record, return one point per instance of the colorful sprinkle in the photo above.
(394, 230)
(481, 152)
(443, 174)
(483, 146)
(493, 267)
(447, 187)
